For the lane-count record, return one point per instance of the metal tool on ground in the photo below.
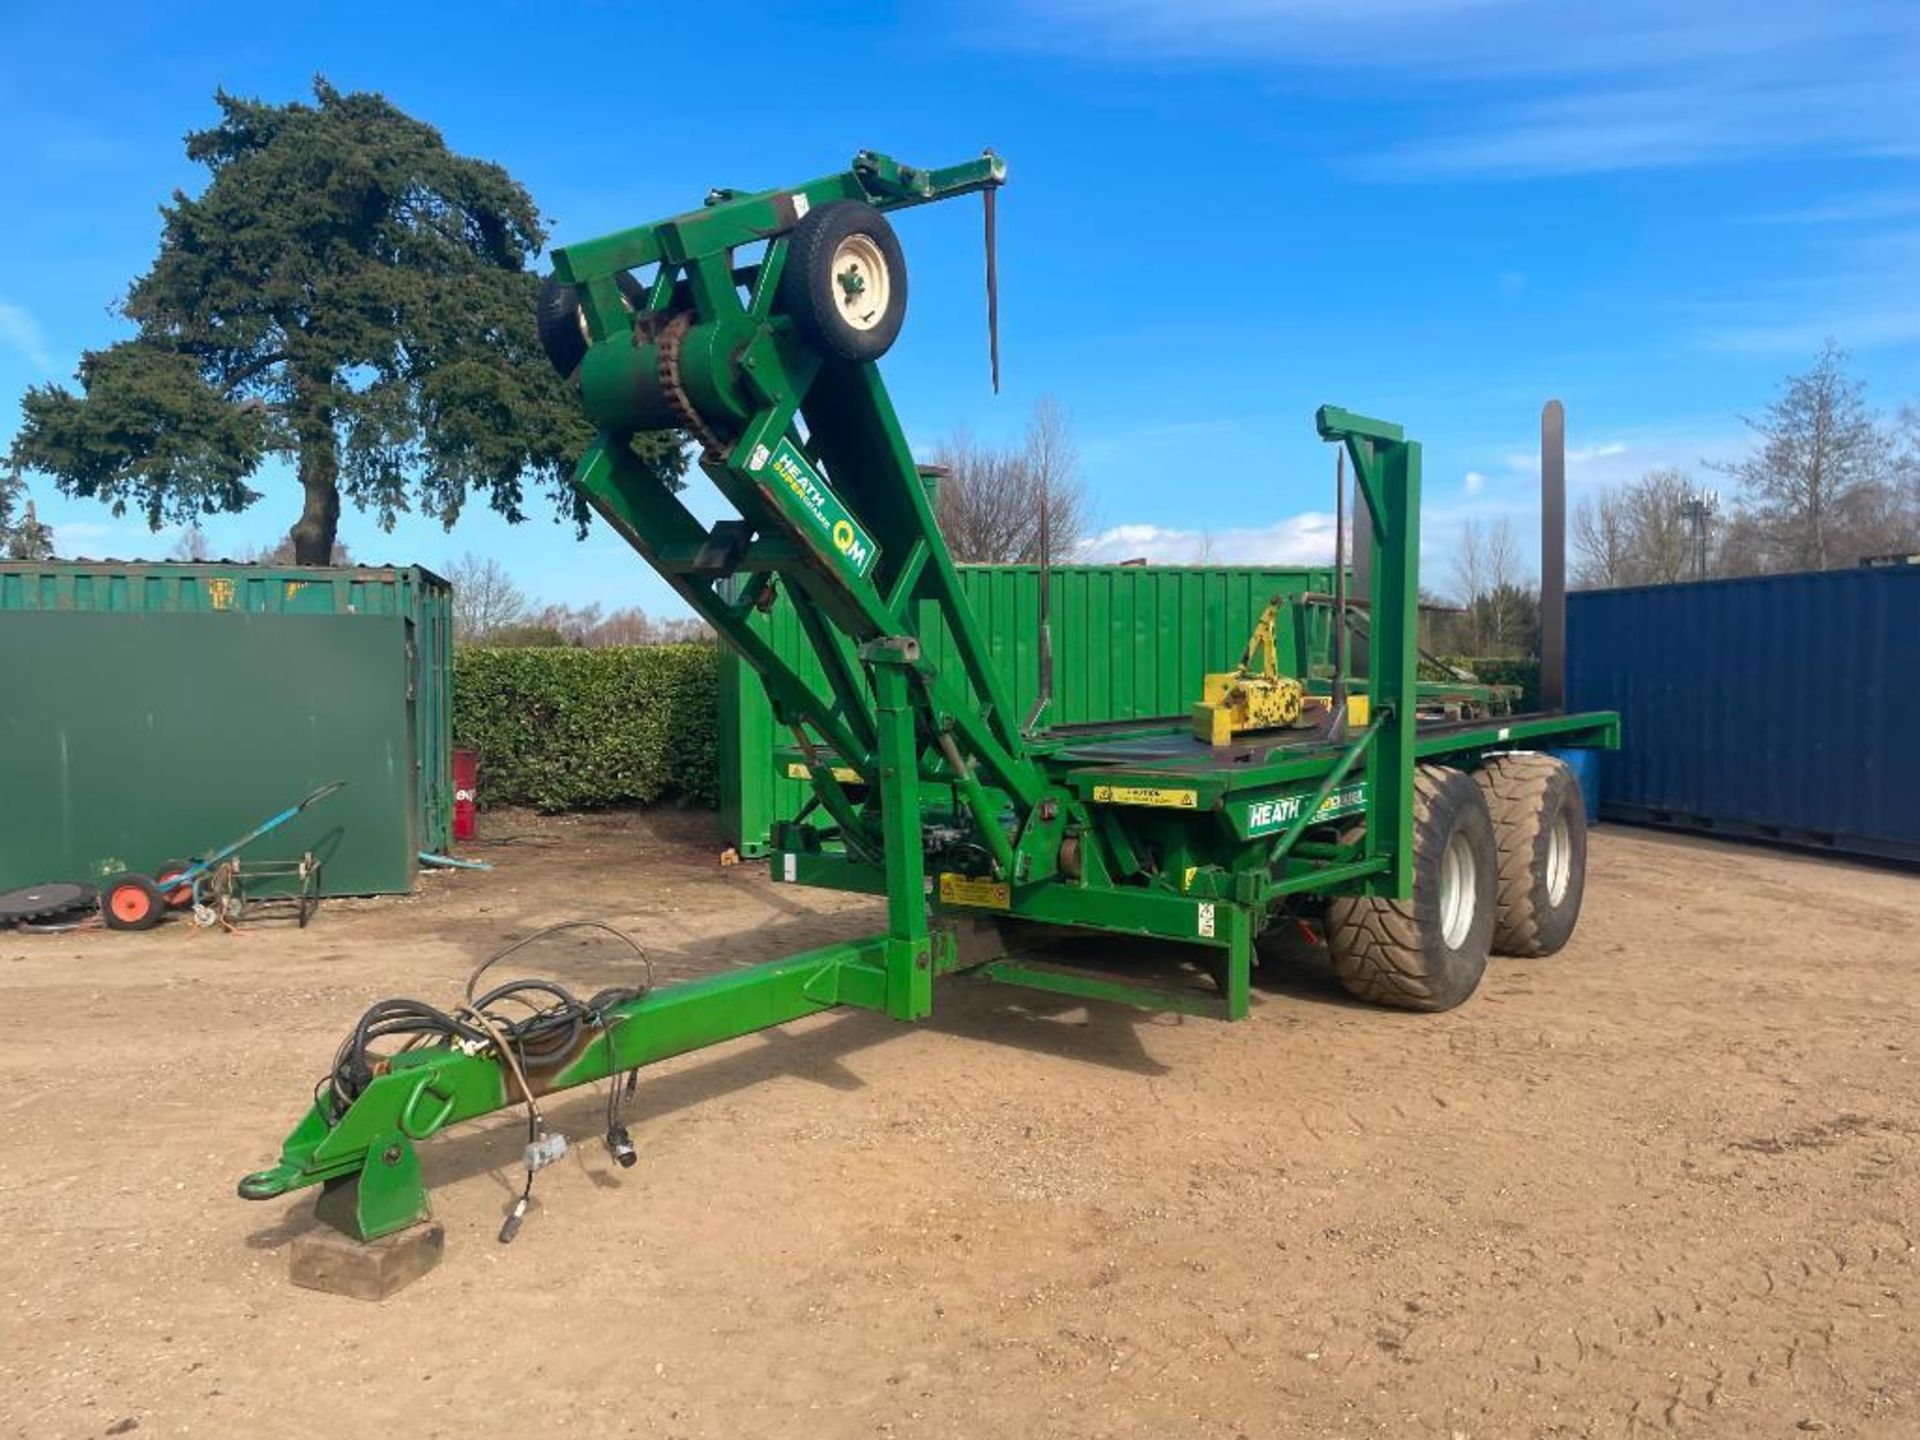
(213, 886)
(754, 324)
(234, 889)
(1254, 695)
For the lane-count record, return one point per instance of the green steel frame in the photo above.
(972, 831)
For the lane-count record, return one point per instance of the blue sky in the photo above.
(1220, 215)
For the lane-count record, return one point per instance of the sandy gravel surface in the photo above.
(1664, 1184)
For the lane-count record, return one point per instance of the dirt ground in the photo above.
(1666, 1183)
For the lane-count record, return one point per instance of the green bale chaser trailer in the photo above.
(1420, 844)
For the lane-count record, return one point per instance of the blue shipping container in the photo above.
(1782, 707)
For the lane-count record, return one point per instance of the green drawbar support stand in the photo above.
(909, 953)
(384, 1197)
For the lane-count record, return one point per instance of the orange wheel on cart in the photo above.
(165, 874)
(132, 902)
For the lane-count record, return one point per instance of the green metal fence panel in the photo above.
(409, 609)
(1129, 642)
(142, 737)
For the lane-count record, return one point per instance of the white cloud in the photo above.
(110, 540)
(1862, 297)
(19, 329)
(1498, 89)
(1579, 458)
(1474, 483)
(1689, 120)
(1860, 207)
(1870, 322)
(1303, 540)
(1587, 454)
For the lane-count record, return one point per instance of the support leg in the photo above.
(1239, 921)
(383, 1197)
(909, 953)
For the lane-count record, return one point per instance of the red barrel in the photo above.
(466, 786)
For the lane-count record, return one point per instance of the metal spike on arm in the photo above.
(993, 284)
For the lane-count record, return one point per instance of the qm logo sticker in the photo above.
(805, 495)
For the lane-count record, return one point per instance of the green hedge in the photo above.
(579, 729)
(1521, 670)
(573, 729)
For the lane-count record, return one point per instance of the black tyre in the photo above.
(1427, 952)
(563, 328)
(1540, 830)
(132, 902)
(845, 284)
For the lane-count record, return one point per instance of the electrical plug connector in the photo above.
(620, 1146)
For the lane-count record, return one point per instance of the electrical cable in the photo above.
(549, 1033)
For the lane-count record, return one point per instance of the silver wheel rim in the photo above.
(862, 284)
(1458, 893)
(1559, 860)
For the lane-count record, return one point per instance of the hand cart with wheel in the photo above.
(213, 884)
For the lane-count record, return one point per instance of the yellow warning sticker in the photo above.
(1146, 795)
(965, 890)
(846, 776)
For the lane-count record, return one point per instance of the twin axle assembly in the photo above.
(754, 324)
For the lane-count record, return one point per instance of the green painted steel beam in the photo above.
(733, 220)
(424, 1091)
(1589, 730)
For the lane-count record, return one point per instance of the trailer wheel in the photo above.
(1540, 828)
(845, 284)
(563, 325)
(1427, 952)
(132, 902)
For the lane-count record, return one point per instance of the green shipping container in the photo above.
(1129, 642)
(153, 711)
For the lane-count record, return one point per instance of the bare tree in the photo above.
(1470, 584)
(1602, 545)
(25, 538)
(191, 546)
(992, 502)
(1742, 547)
(684, 630)
(1653, 531)
(979, 503)
(1054, 460)
(1819, 448)
(282, 551)
(1906, 470)
(1499, 604)
(1660, 524)
(485, 599)
(1508, 590)
(591, 628)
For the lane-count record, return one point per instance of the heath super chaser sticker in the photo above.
(806, 493)
(1263, 817)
